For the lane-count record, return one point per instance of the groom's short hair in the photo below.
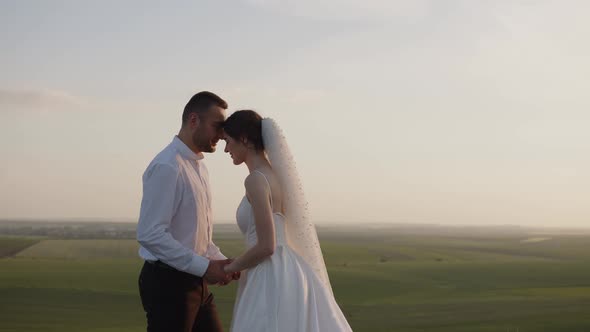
(200, 104)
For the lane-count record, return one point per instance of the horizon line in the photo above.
(320, 223)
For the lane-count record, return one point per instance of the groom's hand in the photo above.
(215, 273)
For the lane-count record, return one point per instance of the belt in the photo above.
(161, 264)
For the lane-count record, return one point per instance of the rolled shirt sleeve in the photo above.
(214, 252)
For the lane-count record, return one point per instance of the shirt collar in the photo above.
(185, 151)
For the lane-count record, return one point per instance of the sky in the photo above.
(418, 111)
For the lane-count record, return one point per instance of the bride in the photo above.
(284, 284)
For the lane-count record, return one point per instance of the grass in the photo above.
(382, 283)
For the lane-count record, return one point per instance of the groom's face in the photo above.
(209, 130)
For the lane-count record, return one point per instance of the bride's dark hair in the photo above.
(245, 126)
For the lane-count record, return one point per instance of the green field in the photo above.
(383, 281)
(10, 246)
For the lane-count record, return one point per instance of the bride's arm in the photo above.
(258, 194)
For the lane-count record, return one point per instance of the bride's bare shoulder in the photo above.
(255, 180)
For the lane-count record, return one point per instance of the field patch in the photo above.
(82, 249)
(535, 239)
(10, 246)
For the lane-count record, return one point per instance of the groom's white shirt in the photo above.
(175, 219)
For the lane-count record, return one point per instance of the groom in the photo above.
(175, 226)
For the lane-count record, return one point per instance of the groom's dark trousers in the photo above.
(176, 301)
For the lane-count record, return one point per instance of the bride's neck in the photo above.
(256, 160)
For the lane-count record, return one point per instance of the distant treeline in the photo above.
(88, 230)
(70, 230)
(127, 230)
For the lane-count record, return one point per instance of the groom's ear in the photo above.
(194, 120)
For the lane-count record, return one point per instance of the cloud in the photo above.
(346, 9)
(38, 99)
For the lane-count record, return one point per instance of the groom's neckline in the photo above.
(185, 151)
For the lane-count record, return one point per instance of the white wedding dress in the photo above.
(282, 293)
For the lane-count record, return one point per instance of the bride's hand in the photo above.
(228, 268)
(234, 275)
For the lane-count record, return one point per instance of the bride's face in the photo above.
(236, 149)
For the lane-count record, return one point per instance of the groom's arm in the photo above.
(161, 196)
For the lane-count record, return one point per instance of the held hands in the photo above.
(217, 272)
(235, 275)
